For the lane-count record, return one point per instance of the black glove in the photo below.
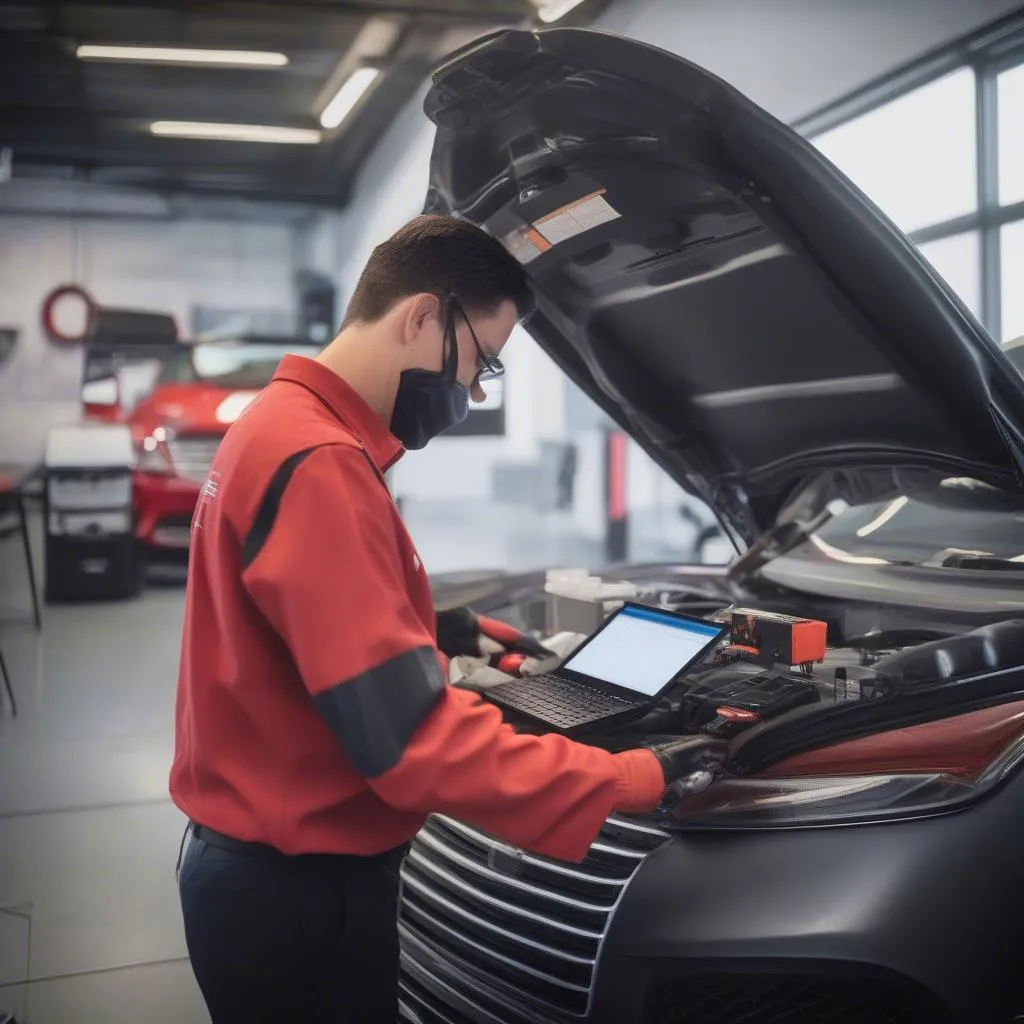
(687, 755)
(460, 631)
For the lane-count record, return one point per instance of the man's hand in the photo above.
(463, 633)
(687, 755)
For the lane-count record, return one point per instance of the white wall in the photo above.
(320, 245)
(534, 397)
(165, 265)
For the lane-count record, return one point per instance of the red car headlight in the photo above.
(152, 454)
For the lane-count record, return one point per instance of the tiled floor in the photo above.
(88, 837)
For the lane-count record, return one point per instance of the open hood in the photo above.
(720, 288)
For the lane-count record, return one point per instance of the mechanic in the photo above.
(315, 728)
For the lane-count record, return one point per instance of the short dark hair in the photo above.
(439, 254)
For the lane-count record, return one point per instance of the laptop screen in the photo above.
(643, 649)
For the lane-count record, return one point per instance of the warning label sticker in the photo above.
(527, 243)
(577, 217)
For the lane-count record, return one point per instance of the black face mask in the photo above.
(428, 402)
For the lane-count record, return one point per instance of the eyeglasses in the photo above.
(487, 367)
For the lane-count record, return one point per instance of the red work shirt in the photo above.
(313, 713)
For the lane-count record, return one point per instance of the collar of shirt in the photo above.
(347, 405)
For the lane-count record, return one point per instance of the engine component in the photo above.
(856, 682)
(729, 700)
(989, 649)
(774, 639)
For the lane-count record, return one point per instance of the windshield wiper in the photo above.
(988, 562)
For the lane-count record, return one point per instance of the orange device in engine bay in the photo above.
(774, 639)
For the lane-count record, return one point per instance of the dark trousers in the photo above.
(281, 939)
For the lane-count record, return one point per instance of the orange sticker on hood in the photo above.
(576, 217)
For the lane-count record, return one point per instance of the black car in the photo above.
(783, 351)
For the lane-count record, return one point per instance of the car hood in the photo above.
(196, 408)
(720, 288)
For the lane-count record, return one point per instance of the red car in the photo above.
(200, 391)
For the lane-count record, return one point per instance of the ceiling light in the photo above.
(236, 132)
(348, 96)
(551, 10)
(177, 55)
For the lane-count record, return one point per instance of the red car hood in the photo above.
(191, 408)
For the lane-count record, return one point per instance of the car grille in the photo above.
(172, 532)
(729, 998)
(192, 454)
(519, 935)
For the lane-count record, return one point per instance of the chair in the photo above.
(14, 521)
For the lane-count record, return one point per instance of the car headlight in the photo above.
(838, 799)
(234, 405)
(152, 454)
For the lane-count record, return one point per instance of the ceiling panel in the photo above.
(91, 119)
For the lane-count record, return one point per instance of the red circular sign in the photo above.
(67, 295)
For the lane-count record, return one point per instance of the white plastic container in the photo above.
(89, 467)
(618, 590)
(579, 602)
(90, 544)
(564, 581)
(579, 584)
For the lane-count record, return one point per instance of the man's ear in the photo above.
(422, 311)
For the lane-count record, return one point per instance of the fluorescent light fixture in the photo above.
(348, 96)
(551, 10)
(236, 132)
(177, 55)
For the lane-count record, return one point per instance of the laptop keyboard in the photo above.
(559, 702)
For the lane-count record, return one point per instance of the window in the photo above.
(940, 149)
(1010, 100)
(914, 156)
(958, 260)
(1013, 280)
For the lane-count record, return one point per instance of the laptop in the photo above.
(619, 674)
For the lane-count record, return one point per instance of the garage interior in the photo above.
(127, 189)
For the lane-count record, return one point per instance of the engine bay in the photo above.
(782, 683)
(878, 683)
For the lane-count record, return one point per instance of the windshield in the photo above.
(909, 532)
(236, 364)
